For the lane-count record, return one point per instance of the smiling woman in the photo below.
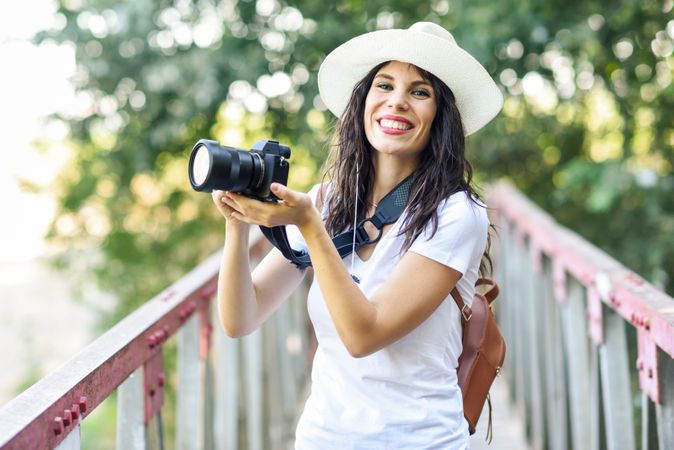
(388, 330)
(399, 110)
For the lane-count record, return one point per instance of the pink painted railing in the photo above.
(211, 369)
(588, 338)
(583, 332)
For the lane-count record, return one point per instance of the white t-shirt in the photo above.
(406, 395)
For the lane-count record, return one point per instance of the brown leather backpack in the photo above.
(483, 352)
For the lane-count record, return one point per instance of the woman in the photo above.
(389, 333)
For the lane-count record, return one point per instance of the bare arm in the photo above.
(246, 300)
(409, 296)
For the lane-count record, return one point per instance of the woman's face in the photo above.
(399, 110)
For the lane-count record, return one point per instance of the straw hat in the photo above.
(424, 44)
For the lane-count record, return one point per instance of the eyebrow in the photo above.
(414, 83)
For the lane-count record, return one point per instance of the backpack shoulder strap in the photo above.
(466, 312)
(491, 293)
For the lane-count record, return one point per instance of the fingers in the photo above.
(218, 200)
(284, 193)
(223, 203)
(238, 202)
(291, 210)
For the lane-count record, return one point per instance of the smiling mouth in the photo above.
(394, 124)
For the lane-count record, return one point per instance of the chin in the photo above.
(398, 152)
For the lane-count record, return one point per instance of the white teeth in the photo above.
(387, 123)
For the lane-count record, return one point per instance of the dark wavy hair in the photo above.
(442, 171)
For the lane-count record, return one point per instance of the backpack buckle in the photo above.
(466, 312)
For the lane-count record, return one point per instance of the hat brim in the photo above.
(477, 96)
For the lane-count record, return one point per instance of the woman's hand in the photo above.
(295, 208)
(219, 198)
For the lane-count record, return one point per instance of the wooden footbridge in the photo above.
(589, 366)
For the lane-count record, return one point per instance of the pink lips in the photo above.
(394, 131)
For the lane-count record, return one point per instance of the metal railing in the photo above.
(590, 348)
(230, 393)
(590, 342)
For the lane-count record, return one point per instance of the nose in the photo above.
(398, 101)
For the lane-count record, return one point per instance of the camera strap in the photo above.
(388, 211)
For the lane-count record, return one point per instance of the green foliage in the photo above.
(595, 150)
(586, 130)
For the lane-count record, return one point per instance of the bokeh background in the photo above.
(101, 102)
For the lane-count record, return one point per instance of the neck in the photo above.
(389, 172)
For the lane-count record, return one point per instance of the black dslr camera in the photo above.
(250, 173)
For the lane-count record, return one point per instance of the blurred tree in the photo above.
(586, 128)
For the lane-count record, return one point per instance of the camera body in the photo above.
(275, 168)
(251, 173)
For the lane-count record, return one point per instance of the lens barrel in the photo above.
(213, 166)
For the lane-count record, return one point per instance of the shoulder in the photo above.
(459, 236)
(462, 209)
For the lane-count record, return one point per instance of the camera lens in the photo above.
(201, 166)
(213, 166)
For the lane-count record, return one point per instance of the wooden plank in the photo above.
(534, 290)
(154, 431)
(506, 307)
(649, 427)
(595, 402)
(131, 434)
(577, 359)
(630, 295)
(511, 320)
(615, 383)
(226, 391)
(519, 325)
(252, 355)
(555, 374)
(286, 329)
(273, 385)
(188, 414)
(525, 328)
(72, 441)
(208, 403)
(94, 373)
(665, 410)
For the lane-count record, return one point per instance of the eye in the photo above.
(421, 92)
(385, 86)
